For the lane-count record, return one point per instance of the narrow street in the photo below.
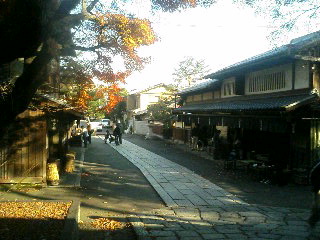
(236, 182)
(168, 192)
(198, 209)
(160, 120)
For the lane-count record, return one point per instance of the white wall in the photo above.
(302, 74)
(141, 127)
(150, 96)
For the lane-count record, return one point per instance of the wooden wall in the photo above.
(24, 149)
(181, 135)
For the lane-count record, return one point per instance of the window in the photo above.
(207, 96)
(197, 97)
(267, 81)
(189, 99)
(138, 101)
(228, 89)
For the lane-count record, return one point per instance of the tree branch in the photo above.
(25, 87)
(92, 4)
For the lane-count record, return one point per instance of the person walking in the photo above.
(84, 135)
(117, 134)
(107, 136)
(89, 132)
(217, 145)
(195, 137)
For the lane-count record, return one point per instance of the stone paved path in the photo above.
(199, 209)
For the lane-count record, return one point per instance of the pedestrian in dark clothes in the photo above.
(195, 136)
(117, 134)
(89, 132)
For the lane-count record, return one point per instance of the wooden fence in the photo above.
(24, 149)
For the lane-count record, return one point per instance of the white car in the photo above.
(83, 123)
(96, 124)
(106, 123)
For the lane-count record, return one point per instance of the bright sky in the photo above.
(221, 35)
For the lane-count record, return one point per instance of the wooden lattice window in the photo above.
(267, 82)
(228, 88)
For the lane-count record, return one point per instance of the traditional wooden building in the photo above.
(39, 134)
(269, 101)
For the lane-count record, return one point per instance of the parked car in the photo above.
(83, 123)
(106, 123)
(96, 124)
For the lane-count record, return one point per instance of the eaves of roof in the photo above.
(208, 85)
(280, 103)
(54, 104)
(148, 89)
(279, 55)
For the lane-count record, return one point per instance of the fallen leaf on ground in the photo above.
(34, 220)
(108, 224)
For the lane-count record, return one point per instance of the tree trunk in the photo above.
(24, 88)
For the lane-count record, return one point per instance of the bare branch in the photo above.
(92, 4)
(85, 10)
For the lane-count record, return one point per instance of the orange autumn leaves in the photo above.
(79, 97)
(131, 33)
(89, 92)
(112, 95)
(123, 35)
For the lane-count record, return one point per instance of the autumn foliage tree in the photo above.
(111, 95)
(75, 85)
(38, 31)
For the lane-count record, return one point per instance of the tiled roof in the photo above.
(53, 104)
(201, 86)
(284, 51)
(281, 103)
(149, 88)
(281, 51)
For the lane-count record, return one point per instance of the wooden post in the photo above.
(316, 77)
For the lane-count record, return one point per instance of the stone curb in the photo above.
(71, 229)
(138, 227)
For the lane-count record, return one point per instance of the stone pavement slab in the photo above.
(199, 209)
